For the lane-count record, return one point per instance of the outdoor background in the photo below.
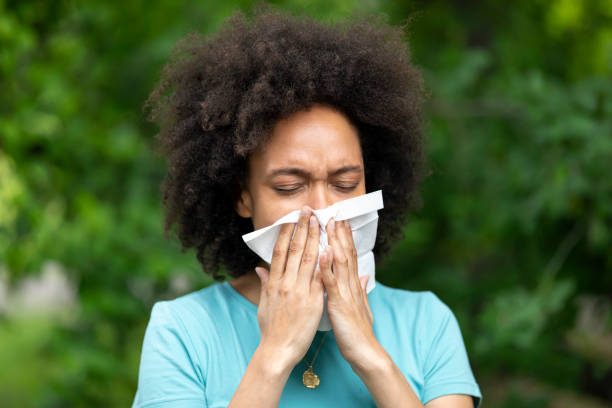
(515, 234)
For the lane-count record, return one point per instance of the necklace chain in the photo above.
(317, 352)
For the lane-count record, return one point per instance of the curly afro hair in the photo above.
(219, 97)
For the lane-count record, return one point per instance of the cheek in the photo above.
(267, 213)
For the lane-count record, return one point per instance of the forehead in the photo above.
(319, 139)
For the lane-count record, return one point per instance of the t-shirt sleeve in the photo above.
(168, 376)
(446, 366)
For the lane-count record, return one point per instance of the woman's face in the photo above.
(313, 158)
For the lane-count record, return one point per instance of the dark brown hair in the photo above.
(219, 96)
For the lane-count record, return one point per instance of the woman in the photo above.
(264, 118)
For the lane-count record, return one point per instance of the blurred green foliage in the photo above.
(515, 232)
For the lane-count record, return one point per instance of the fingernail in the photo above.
(324, 257)
(313, 220)
(304, 211)
(332, 224)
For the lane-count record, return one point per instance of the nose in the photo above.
(319, 199)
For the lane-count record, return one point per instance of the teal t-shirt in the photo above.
(197, 347)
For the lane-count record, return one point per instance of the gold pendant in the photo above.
(310, 379)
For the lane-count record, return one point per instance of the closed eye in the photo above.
(295, 189)
(348, 188)
(286, 190)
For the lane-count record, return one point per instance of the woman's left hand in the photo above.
(347, 300)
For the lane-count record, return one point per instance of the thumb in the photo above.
(263, 274)
(364, 281)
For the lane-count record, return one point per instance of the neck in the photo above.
(249, 285)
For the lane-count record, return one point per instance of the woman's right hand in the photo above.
(291, 299)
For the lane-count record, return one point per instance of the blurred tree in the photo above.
(514, 231)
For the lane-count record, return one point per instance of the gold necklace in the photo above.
(309, 378)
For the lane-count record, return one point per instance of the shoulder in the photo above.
(432, 332)
(416, 305)
(421, 312)
(197, 306)
(204, 298)
(176, 349)
(420, 319)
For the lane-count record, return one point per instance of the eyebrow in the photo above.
(296, 171)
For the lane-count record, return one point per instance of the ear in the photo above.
(244, 204)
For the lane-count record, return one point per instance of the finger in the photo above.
(316, 284)
(345, 235)
(311, 253)
(264, 275)
(296, 247)
(340, 261)
(279, 254)
(350, 230)
(364, 283)
(327, 277)
(351, 240)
